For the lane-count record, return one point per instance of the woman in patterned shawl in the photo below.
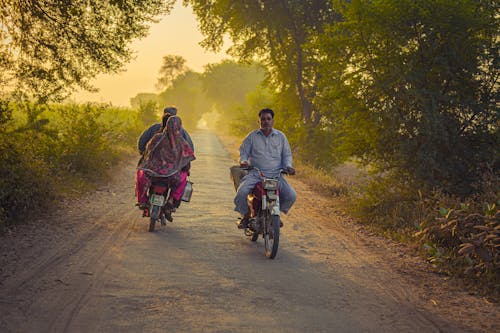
(168, 155)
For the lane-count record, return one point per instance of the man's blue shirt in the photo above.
(268, 153)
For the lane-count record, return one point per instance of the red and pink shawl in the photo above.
(167, 152)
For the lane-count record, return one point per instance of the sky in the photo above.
(176, 34)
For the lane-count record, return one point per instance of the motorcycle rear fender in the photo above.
(159, 189)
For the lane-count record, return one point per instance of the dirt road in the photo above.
(92, 266)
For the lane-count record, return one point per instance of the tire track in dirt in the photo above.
(53, 261)
(95, 237)
(92, 263)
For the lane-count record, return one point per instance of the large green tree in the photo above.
(275, 33)
(414, 85)
(49, 47)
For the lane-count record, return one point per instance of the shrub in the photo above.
(466, 243)
(25, 180)
(88, 143)
(460, 236)
(391, 207)
(44, 146)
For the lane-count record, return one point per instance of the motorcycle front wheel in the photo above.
(272, 236)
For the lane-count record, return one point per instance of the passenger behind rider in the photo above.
(267, 149)
(141, 180)
(155, 128)
(168, 156)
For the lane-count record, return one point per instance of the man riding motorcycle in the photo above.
(268, 150)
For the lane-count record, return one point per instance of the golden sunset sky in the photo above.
(176, 34)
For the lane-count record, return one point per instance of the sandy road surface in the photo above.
(92, 266)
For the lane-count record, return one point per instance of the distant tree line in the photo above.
(221, 95)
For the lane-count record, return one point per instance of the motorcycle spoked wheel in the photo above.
(272, 235)
(155, 214)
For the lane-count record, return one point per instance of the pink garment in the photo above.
(141, 186)
(177, 193)
(167, 152)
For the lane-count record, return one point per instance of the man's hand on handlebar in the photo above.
(244, 164)
(290, 170)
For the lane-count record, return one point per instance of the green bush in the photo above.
(83, 142)
(44, 146)
(25, 180)
(390, 206)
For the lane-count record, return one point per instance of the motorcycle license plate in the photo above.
(270, 184)
(157, 200)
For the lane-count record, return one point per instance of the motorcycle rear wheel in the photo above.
(155, 213)
(272, 236)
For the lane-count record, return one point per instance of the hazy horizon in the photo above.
(177, 34)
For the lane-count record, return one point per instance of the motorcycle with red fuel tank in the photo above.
(264, 205)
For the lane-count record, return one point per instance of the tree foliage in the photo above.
(172, 67)
(407, 86)
(414, 86)
(227, 84)
(50, 47)
(147, 106)
(275, 33)
(143, 98)
(186, 93)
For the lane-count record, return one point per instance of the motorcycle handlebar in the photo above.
(251, 167)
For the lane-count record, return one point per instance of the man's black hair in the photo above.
(164, 120)
(170, 109)
(266, 110)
